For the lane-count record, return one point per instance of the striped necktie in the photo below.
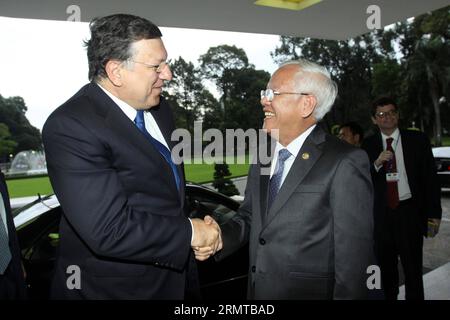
(275, 181)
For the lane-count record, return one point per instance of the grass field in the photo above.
(199, 173)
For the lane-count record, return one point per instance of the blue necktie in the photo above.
(140, 123)
(275, 181)
(5, 252)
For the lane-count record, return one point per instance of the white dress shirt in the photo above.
(294, 148)
(150, 123)
(404, 192)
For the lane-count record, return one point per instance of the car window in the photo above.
(210, 204)
(39, 239)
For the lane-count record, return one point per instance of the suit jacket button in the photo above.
(253, 268)
(262, 241)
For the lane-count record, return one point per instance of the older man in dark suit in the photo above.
(309, 221)
(407, 197)
(12, 283)
(124, 234)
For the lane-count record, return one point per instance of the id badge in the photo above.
(392, 177)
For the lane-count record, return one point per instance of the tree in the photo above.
(218, 64)
(184, 89)
(409, 61)
(222, 182)
(218, 60)
(244, 108)
(12, 114)
(428, 63)
(6, 144)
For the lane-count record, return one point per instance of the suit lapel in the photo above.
(166, 126)
(119, 122)
(299, 170)
(408, 152)
(378, 144)
(264, 178)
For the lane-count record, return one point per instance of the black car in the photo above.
(37, 227)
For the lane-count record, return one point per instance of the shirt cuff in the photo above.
(192, 227)
(377, 168)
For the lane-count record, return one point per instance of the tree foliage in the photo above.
(6, 144)
(409, 61)
(222, 181)
(12, 115)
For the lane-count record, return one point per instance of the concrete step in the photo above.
(436, 284)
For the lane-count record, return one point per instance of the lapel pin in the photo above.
(305, 156)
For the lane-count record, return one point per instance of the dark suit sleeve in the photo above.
(431, 187)
(12, 283)
(96, 205)
(235, 233)
(352, 202)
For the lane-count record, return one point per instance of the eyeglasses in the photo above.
(155, 67)
(384, 114)
(269, 94)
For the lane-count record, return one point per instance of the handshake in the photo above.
(207, 238)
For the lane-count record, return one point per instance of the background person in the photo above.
(407, 196)
(352, 133)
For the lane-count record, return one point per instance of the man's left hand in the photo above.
(437, 222)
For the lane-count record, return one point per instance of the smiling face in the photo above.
(290, 114)
(141, 85)
(386, 118)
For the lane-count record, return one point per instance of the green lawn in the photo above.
(29, 187)
(199, 173)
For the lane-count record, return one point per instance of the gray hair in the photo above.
(321, 86)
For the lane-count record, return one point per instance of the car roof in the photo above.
(39, 207)
(441, 152)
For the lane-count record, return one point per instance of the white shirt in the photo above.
(294, 148)
(404, 192)
(150, 125)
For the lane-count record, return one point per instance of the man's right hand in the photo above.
(383, 157)
(207, 238)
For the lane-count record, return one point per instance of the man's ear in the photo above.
(307, 105)
(114, 71)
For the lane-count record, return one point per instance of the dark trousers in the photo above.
(12, 286)
(401, 236)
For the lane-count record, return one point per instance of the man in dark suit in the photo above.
(124, 234)
(309, 221)
(12, 283)
(407, 196)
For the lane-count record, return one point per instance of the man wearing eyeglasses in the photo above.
(307, 213)
(123, 230)
(407, 197)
